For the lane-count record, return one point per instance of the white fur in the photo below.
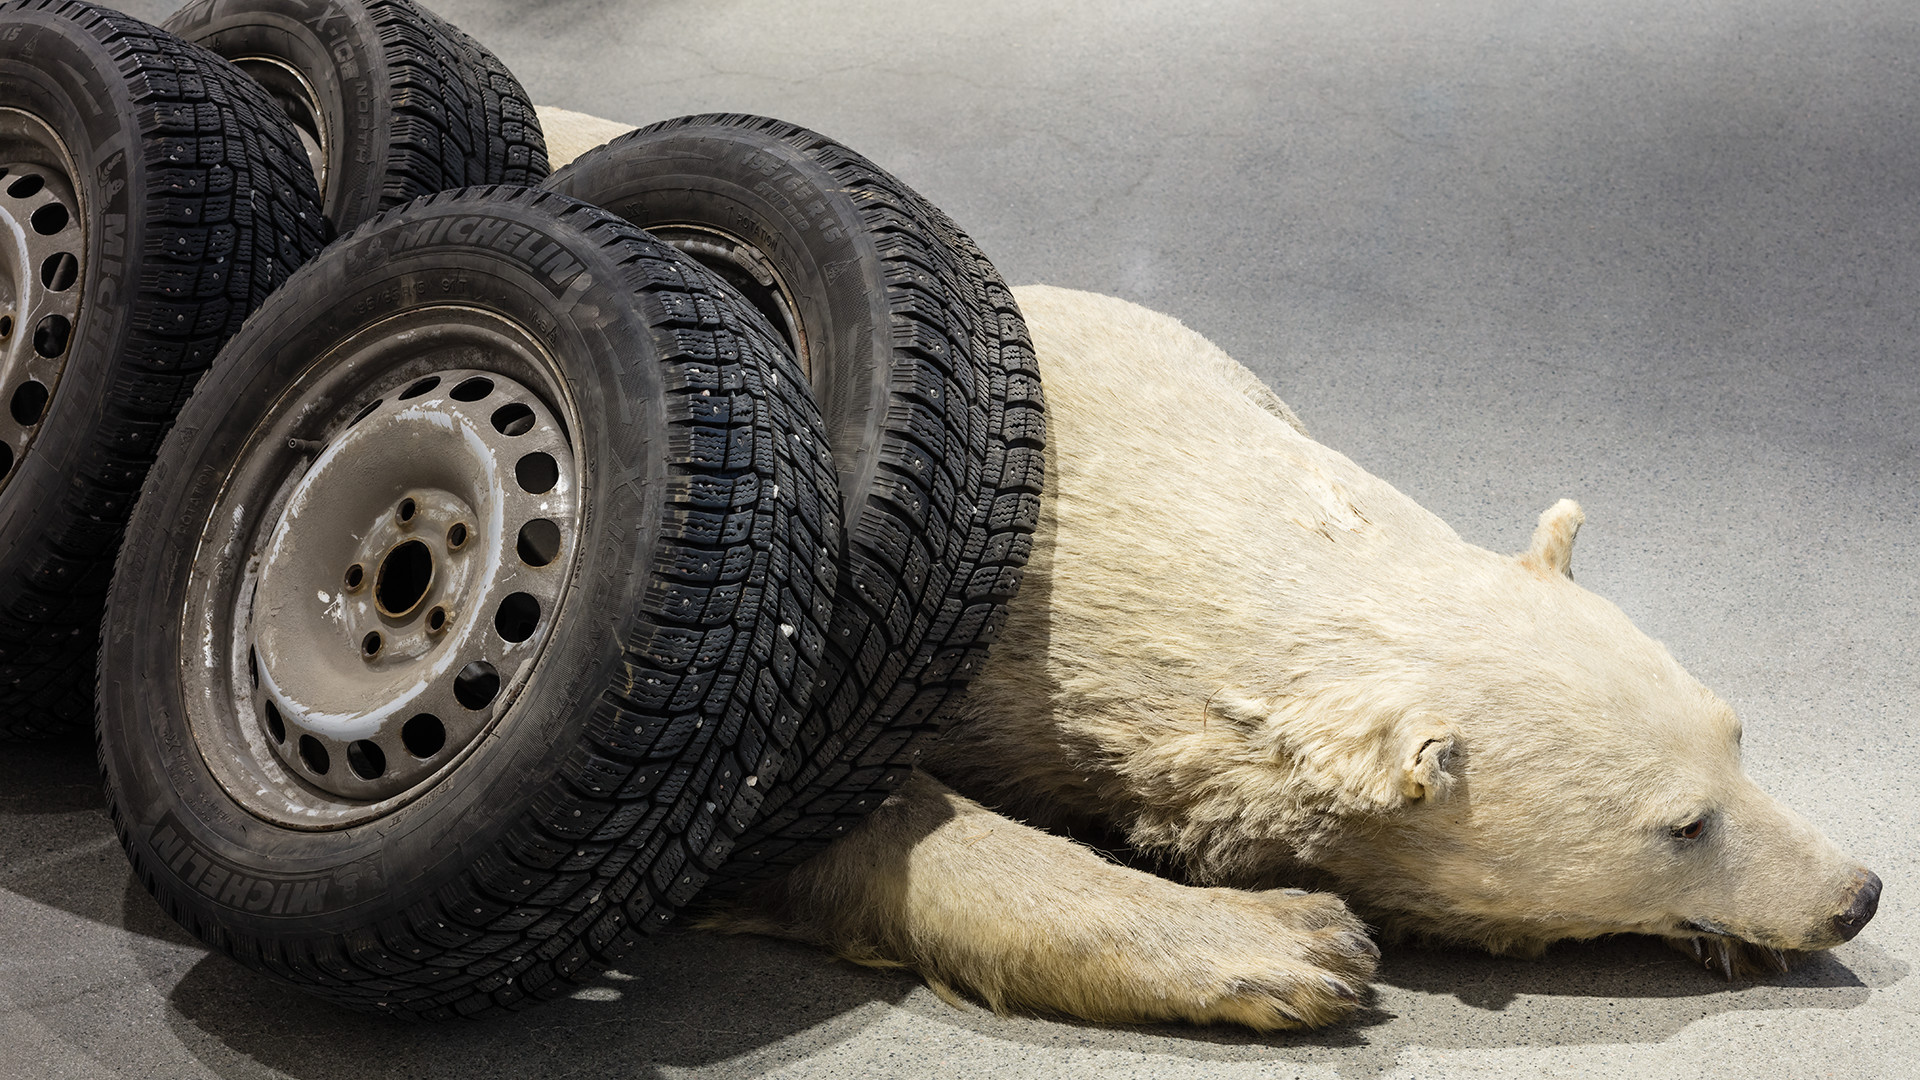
(1261, 666)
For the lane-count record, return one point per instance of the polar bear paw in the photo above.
(1267, 960)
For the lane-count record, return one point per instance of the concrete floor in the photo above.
(1661, 257)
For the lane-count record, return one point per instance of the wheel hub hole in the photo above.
(404, 576)
(423, 736)
(539, 542)
(366, 759)
(476, 685)
(29, 402)
(518, 617)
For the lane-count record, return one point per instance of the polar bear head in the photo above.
(1511, 762)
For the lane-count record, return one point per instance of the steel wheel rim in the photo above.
(429, 419)
(290, 90)
(745, 267)
(43, 262)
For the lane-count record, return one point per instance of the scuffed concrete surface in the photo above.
(1662, 258)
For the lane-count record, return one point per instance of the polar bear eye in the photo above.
(1691, 830)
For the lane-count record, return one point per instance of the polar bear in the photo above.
(1265, 669)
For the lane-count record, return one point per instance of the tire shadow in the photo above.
(683, 999)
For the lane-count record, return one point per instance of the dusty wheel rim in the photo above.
(294, 94)
(407, 569)
(43, 252)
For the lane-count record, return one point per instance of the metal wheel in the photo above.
(43, 248)
(408, 559)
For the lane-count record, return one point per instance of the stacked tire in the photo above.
(533, 560)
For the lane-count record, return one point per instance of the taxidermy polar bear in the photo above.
(1262, 667)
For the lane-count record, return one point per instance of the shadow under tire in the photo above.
(158, 198)
(501, 461)
(392, 101)
(926, 381)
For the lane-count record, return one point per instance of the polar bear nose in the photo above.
(1866, 900)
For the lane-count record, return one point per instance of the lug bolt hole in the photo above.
(407, 509)
(370, 645)
(437, 620)
(456, 536)
(355, 575)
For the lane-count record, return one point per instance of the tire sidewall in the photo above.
(180, 826)
(773, 195)
(53, 68)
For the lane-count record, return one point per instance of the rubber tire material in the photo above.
(599, 806)
(200, 203)
(926, 378)
(415, 104)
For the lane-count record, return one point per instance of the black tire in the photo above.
(393, 102)
(193, 202)
(926, 380)
(667, 679)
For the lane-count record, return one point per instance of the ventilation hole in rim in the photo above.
(420, 387)
(27, 185)
(423, 736)
(6, 459)
(473, 389)
(6, 327)
(50, 337)
(314, 755)
(539, 542)
(518, 617)
(253, 666)
(514, 419)
(277, 727)
(366, 759)
(50, 219)
(29, 402)
(366, 412)
(537, 473)
(60, 271)
(476, 685)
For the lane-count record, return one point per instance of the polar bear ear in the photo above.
(1428, 763)
(1552, 549)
